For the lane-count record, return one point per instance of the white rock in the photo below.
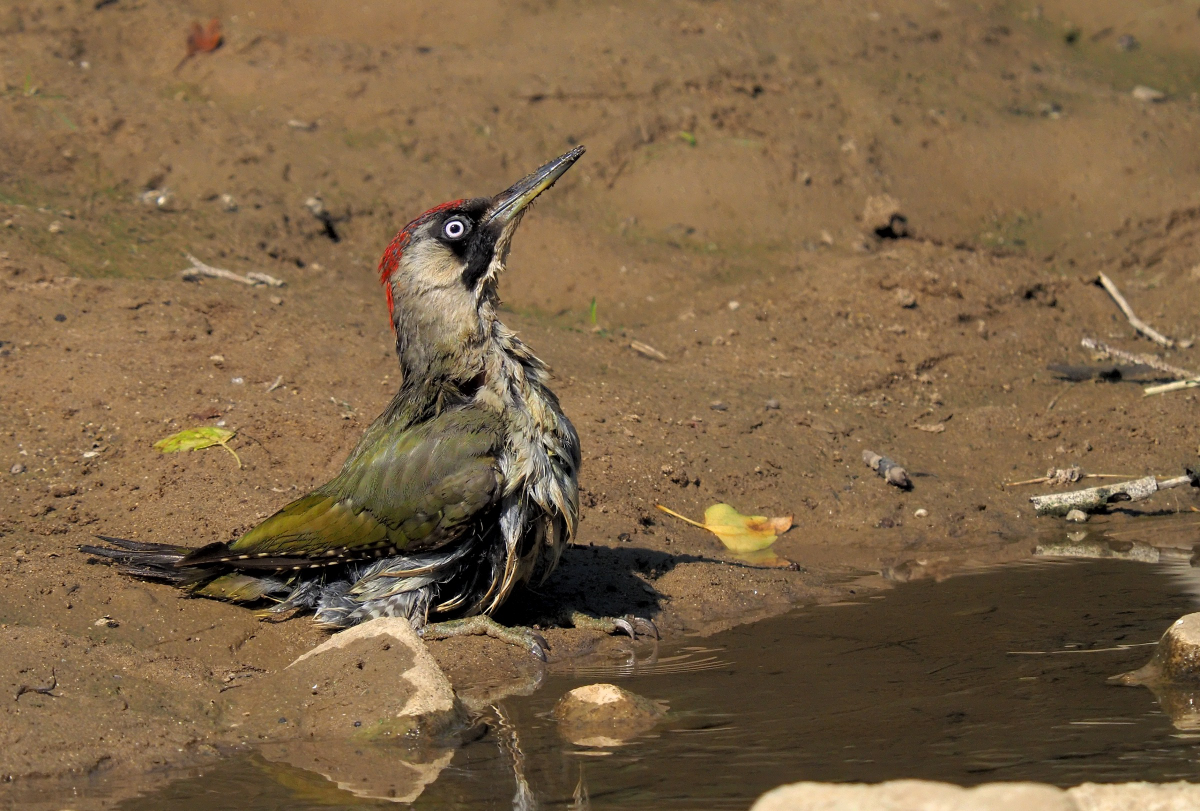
(1148, 94)
(925, 795)
(1136, 796)
(604, 715)
(914, 795)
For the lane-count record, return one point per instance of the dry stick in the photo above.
(1178, 385)
(199, 269)
(1095, 498)
(1137, 323)
(1060, 480)
(47, 690)
(891, 472)
(1153, 361)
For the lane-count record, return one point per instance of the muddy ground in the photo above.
(717, 216)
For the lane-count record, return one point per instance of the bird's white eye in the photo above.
(455, 228)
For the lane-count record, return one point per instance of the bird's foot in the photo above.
(481, 625)
(628, 624)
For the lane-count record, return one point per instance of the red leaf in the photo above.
(204, 40)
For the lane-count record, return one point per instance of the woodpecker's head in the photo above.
(439, 273)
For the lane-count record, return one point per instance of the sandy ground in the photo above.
(717, 216)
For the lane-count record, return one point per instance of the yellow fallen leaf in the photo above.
(194, 439)
(740, 533)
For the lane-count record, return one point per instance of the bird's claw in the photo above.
(629, 624)
(538, 645)
(624, 625)
(525, 638)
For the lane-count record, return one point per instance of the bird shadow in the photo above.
(598, 580)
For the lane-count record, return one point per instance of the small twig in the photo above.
(1056, 479)
(1153, 361)
(647, 351)
(42, 691)
(1178, 385)
(278, 382)
(1080, 650)
(891, 472)
(1137, 323)
(199, 269)
(1096, 498)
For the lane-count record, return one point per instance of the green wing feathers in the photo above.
(408, 489)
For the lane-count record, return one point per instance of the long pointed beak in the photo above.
(513, 200)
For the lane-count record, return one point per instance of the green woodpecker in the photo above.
(465, 487)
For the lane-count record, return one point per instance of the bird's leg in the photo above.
(482, 625)
(628, 624)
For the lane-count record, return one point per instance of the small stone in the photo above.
(905, 298)
(1077, 517)
(276, 300)
(17, 469)
(921, 513)
(733, 305)
(60, 318)
(882, 217)
(106, 622)
(717, 405)
(217, 360)
(379, 672)
(228, 203)
(1127, 42)
(604, 715)
(1176, 658)
(162, 199)
(1148, 94)
(771, 405)
(56, 227)
(62, 490)
(237, 381)
(903, 795)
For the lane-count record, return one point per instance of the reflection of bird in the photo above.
(463, 488)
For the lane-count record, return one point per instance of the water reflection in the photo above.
(995, 676)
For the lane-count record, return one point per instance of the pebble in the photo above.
(1176, 658)
(717, 405)
(62, 490)
(905, 298)
(1127, 42)
(604, 715)
(882, 217)
(1148, 94)
(162, 199)
(1077, 516)
(228, 203)
(771, 405)
(733, 305)
(17, 469)
(56, 227)
(921, 513)
(237, 381)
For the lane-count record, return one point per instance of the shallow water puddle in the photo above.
(998, 675)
